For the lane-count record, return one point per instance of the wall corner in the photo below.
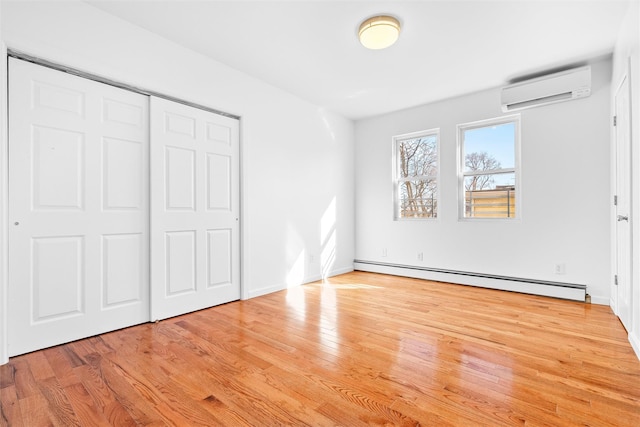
(4, 355)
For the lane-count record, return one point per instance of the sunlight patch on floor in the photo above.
(348, 285)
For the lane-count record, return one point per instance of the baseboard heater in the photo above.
(562, 290)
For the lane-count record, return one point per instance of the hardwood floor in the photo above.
(360, 349)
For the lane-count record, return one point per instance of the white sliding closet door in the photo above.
(78, 208)
(194, 209)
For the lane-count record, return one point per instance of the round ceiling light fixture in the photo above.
(379, 32)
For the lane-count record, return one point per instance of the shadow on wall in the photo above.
(326, 123)
(328, 238)
(298, 273)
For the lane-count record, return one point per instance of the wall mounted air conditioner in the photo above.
(549, 89)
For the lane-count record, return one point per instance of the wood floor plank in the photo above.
(35, 411)
(39, 366)
(9, 407)
(84, 407)
(250, 373)
(60, 409)
(26, 385)
(7, 375)
(357, 349)
(223, 383)
(62, 365)
(102, 397)
(135, 404)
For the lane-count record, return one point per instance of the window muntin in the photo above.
(488, 161)
(416, 167)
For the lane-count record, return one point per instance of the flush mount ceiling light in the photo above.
(379, 32)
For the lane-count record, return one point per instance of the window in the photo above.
(489, 168)
(416, 175)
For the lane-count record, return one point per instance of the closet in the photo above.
(123, 208)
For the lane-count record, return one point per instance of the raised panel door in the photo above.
(78, 208)
(195, 209)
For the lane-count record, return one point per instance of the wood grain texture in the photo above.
(358, 349)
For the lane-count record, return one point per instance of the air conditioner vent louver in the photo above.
(549, 89)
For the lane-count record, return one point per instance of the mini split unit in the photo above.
(549, 89)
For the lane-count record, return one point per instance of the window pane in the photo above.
(490, 196)
(490, 147)
(418, 157)
(418, 199)
(489, 181)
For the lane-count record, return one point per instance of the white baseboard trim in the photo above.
(339, 271)
(635, 343)
(551, 289)
(309, 279)
(597, 299)
(266, 290)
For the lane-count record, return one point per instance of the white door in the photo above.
(78, 208)
(194, 209)
(623, 206)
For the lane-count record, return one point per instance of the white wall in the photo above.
(626, 58)
(297, 178)
(564, 189)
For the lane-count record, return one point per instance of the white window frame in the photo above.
(461, 128)
(396, 172)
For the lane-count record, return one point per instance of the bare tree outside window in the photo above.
(489, 168)
(481, 161)
(416, 176)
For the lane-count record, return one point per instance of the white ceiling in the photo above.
(446, 48)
